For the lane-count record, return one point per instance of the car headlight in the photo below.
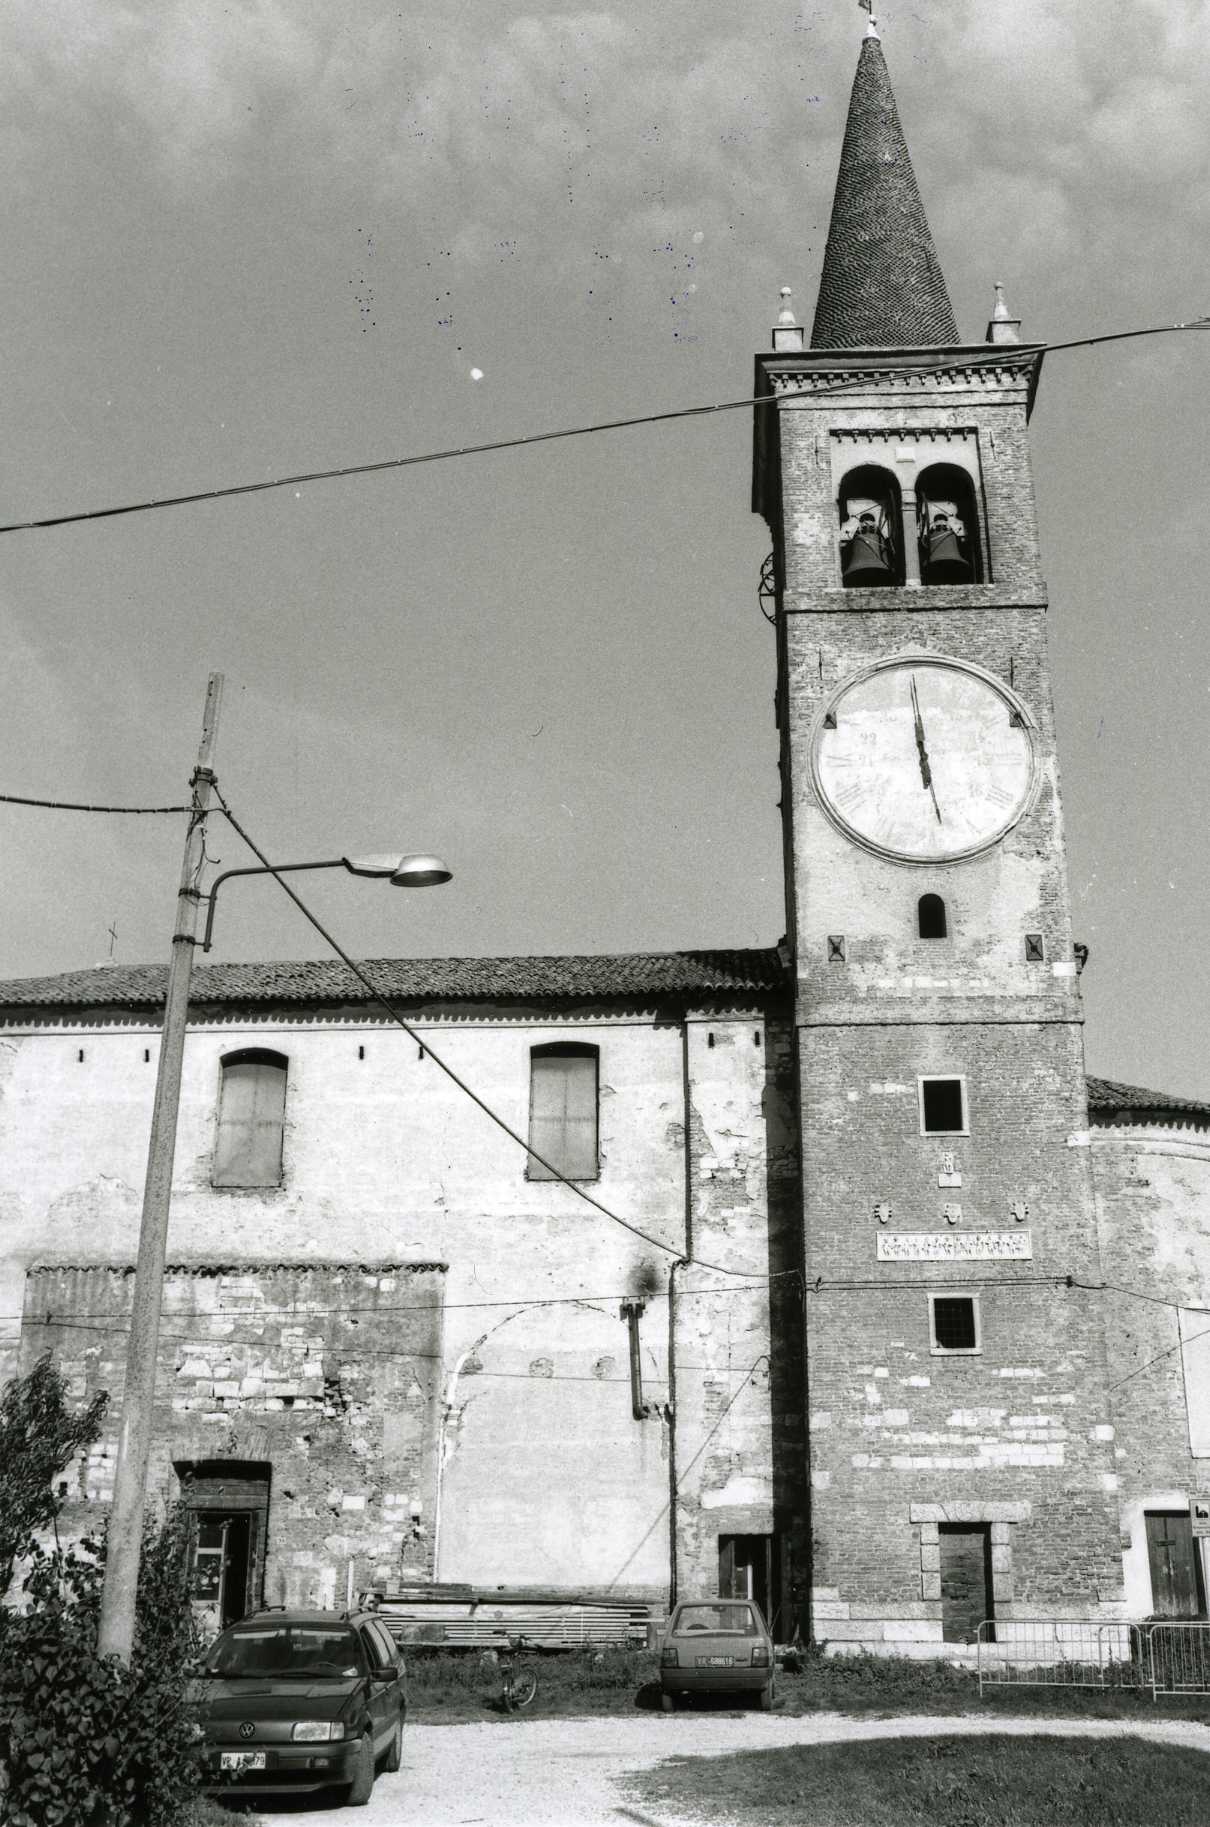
(317, 1731)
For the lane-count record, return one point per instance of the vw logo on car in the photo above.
(247, 1729)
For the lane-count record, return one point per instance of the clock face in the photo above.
(924, 760)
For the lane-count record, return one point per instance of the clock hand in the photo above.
(926, 772)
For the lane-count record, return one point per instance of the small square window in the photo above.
(1035, 949)
(943, 1107)
(954, 1324)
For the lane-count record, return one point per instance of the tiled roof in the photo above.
(643, 975)
(882, 286)
(1109, 1101)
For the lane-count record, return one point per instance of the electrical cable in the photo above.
(999, 355)
(70, 805)
(526, 1303)
(1160, 1356)
(196, 1343)
(385, 1003)
(522, 1302)
(1157, 1300)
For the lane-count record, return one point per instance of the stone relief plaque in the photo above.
(954, 1246)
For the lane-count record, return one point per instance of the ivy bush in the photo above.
(86, 1741)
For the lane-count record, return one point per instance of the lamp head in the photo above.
(420, 872)
(400, 871)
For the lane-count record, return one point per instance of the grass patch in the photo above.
(940, 1782)
(453, 1686)
(203, 1811)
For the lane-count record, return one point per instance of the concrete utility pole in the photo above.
(115, 1635)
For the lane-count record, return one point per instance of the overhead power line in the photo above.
(71, 805)
(999, 355)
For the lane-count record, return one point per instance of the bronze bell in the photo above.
(865, 561)
(942, 560)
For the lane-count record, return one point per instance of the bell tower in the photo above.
(962, 1464)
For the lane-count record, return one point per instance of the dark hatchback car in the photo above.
(717, 1646)
(296, 1700)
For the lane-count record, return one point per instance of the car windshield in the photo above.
(719, 1620)
(286, 1650)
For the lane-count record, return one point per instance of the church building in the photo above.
(826, 1275)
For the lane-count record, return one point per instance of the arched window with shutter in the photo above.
(930, 913)
(251, 1119)
(563, 1111)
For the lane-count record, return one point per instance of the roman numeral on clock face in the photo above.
(850, 796)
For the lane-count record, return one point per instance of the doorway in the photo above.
(1177, 1587)
(750, 1567)
(228, 1502)
(966, 1580)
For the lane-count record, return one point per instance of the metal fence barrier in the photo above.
(1179, 1659)
(1043, 1652)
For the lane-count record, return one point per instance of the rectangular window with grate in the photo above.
(563, 1112)
(943, 1107)
(954, 1324)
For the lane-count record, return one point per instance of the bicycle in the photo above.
(518, 1681)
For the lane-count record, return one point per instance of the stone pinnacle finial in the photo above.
(1004, 327)
(871, 29)
(787, 332)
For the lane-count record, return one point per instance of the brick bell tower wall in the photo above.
(1011, 1438)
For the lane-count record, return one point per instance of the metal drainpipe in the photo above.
(681, 1262)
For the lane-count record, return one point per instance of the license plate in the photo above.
(242, 1760)
(716, 1661)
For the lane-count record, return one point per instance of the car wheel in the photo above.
(668, 1702)
(765, 1701)
(362, 1785)
(394, 1756)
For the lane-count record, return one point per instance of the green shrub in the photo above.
(39, 1437)
(84, 1740)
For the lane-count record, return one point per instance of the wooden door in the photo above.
(1172, 1552)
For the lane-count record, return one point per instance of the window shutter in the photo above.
(563, 1114)
(248, 1150)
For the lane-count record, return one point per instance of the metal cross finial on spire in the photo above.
(871, 30)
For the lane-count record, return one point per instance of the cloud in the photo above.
(1065, 135)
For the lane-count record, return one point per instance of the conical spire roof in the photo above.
(882, 287)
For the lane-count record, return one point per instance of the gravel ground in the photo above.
(573, 1772)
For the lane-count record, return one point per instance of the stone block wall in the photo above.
(325, 1374)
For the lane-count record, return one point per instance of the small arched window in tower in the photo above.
(930, 913)
(251, 1119)
(871, 519)
(947, 526)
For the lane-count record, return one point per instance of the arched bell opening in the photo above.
(947, 526)
(871, 515)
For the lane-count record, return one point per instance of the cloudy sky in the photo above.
(244, 239)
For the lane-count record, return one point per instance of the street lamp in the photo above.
(400, 871)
